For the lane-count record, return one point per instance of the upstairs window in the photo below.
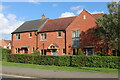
(17, 36)
(76, 34)
(43, 36)
(84, 16)
(30, 35)
(59, 34)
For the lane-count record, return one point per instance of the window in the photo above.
(30, 35)
(17, 50)
(59, 34)
(43, 51)
(76, 33)
(17, 36)
(43, 36)
(84, 16)
(75, 43)
(64, 51)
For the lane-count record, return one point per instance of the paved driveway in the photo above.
(42, 73)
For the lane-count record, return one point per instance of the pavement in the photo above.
(42, 73)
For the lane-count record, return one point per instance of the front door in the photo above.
(54, 51)
(25, 50)
(89, 51)
(75, 51)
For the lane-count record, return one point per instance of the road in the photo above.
(42, 73)
(16, 77)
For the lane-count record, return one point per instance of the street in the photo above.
(42, 73)
(15, 77)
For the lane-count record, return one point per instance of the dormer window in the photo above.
(17, 36)
(30, 35)
(84, 16)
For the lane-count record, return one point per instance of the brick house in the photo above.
(5, 43)
(62, 36)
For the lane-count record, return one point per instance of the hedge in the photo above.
(73, 61)
(4, 53)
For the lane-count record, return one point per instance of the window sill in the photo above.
(29, 37)
(59, 37)
(43, 40)
(17, 39)
(75, 37)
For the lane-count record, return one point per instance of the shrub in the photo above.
(100, 54)
(73, 61)
(4, 53)
(80, 52)
(36, 52)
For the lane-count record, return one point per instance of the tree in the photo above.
(108, 27)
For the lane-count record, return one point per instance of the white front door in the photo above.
(54, 51)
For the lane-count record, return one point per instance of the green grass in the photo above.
(62, 68)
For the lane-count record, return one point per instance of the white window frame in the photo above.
(30, 35)
(17, 36)
(75, 33)
(16, 50)
(43, 36)
(84, 16)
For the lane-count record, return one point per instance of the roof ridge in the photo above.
(36, 20)
(97, 13)
(63, 18)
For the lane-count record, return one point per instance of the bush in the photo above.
(73, 61)
(36, 52)
(4, 53)
(100, 54)
(80, 52)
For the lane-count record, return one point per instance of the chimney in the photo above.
(43, 16)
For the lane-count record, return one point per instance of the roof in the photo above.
(97, 15)
(33, 25)
(47, 25)
(7, 41)
(57, 24)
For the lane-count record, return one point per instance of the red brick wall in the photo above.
(3, 43)
(24, 41)
(80, 24)
(52, 37)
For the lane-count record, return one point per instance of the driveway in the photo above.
(42, 73)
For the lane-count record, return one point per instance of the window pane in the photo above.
(59, 33)
(76, 43)
(63, 50)
(43, 36)
(17, 36)
(77, 33)
(73, 33)
(30, 35)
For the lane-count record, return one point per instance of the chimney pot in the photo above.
(43, 16)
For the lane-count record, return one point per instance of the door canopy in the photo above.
(53, 46)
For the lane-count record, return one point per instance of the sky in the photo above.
(13, 14)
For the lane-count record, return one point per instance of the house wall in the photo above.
(83, 25)
(52, 37)
(3, 44)
(24, 41)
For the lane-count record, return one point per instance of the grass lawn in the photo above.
(62, 68)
